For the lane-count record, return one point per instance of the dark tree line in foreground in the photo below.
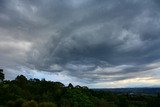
(41, 93)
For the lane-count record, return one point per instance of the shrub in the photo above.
(19, 102)
(47, 104)
(30, 104)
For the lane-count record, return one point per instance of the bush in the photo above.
(11, 104)
(30, 104)
(19, 102)
(47, 104)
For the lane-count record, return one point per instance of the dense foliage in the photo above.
(1, 75)
(41, 93)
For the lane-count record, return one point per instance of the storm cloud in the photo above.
(99, 43)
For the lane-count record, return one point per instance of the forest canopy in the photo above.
(22, 92)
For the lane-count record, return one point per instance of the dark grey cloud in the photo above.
(81, 37)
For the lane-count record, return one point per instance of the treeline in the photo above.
(41, 93)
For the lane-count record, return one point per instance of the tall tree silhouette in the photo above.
(21, 81)
(1, 75)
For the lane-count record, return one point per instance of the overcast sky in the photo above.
(98, 43)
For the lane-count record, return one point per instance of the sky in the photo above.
(96, 43)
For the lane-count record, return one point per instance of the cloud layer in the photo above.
(107, 43)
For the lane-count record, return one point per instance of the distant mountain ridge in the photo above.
(144, 90)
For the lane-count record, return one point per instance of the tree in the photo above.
(21, 81)
(1, 75)
(21, 78)
(70, 85)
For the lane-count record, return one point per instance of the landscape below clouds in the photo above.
(97, 43)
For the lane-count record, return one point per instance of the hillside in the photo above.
(41, 93)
